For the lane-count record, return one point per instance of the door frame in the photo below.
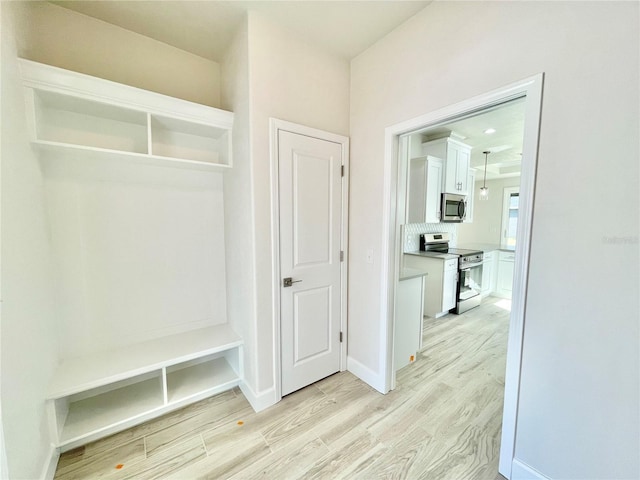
(393, 236)
(275, 126)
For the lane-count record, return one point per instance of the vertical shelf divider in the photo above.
(165, 392)
(149, 135)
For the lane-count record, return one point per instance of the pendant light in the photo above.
(484, 191)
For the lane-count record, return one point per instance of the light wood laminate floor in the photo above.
(442, 422)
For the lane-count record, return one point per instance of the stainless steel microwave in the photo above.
(454, 207)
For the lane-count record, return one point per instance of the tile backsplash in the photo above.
(412, 233)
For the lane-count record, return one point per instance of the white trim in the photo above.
(533, 108)
(275, 125)
(522, 471)
(50, 465)
(391, 255)
(365, 374)
(259, 401)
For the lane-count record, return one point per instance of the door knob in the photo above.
(288, 282)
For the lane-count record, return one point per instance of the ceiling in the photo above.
(205, 27)
(505, 144)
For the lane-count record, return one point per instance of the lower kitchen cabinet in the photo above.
(489, 273)
(506, 262)
(440, 283)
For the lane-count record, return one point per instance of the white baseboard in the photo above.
(259, 401)
(365, 374)
(522, 471)
(49, 467)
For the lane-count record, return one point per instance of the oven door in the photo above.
(469, 282)
(454, 207)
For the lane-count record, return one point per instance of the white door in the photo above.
(310, 186)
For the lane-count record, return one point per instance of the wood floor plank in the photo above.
(169, 461)
(396, 462)
(344, 461)
(99, 466)
(228, 412)
(299, 421)
(224, 459)
(290, 462)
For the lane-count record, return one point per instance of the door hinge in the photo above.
(342, 170)
(340, 337)
(341, 256)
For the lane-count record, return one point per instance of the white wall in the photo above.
(28, 348)
(139, 252)
(294, 81)
(67, 39)
(487, 214)
(578, 413)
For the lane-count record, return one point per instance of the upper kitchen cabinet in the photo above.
(457, 157)
(424, 189)
(73, 113)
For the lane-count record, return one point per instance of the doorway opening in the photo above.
(403, 142)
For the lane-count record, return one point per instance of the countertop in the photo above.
(486, 247)
(407, 273)
(443, 256)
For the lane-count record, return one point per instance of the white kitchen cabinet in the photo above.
(457, 157)
(506, 262)
(440, 283)
(425, 189)
(489, 273)
(408, 320)
(471, 182)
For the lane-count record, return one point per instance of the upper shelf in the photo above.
(73, 112)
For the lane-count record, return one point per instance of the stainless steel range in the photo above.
(469, 269)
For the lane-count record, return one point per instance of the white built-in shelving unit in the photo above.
(85, 118)
(70, 112)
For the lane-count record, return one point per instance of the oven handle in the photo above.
(468, 266)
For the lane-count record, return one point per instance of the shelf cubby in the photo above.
(174, 138)
(105, 408)
(211, 374)
(68, 120)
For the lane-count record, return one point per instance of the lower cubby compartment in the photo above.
(207, 375)
(85, 414)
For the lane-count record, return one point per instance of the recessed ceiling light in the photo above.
(489, 131)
